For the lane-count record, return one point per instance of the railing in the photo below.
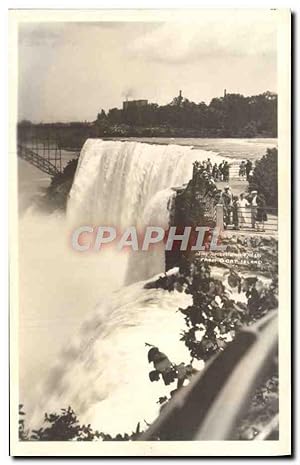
(234, 173)
(210, 407)
(251, 218)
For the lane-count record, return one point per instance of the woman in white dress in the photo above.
(242, 204)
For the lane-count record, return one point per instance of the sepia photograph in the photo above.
(150, 223)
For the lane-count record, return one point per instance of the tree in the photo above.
(249, 130)
(265, 177)
(59, 189)
(65, 426)
(25, 123)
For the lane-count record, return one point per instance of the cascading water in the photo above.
(115, 180)
(129, 184)
(103, 372)
(144, 264)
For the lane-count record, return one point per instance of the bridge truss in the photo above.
(41, 150)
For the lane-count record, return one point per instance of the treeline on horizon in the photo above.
(232, 115)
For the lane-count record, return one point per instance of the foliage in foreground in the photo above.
(212, 321)
(214, 311)
(264, 406)
(215, 317)
(212, 317)
(65, 426)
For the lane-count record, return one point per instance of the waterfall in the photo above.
(130, 184)
(115, 180)
(101, 370)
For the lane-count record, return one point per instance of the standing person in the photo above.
(248, 168)
(209, 165)
(242, 171)
(242, 204)
(218, 199)
(235, 216)
(215, 172)
(227, 201)
(226, 171)
(261, 215)
(221, 165)
(250, 176)
(253, 208)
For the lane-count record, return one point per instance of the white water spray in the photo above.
(102, 372)
(124, 184)
(116, 180)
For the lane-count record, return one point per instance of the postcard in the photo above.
(150, 221)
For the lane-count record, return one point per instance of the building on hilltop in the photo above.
(128, 104)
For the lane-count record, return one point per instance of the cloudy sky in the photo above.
(69, 71)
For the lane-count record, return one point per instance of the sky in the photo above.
(69, 71)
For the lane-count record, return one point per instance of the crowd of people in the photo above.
(220, 172)
(246, 170)
(239, 210)
(244, 209)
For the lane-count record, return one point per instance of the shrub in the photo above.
(59, 189)
(65, 426)
(265, 177)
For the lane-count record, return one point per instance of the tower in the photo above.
(180, 98)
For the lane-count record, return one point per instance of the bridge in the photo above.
(40, 162)
(43, 154)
